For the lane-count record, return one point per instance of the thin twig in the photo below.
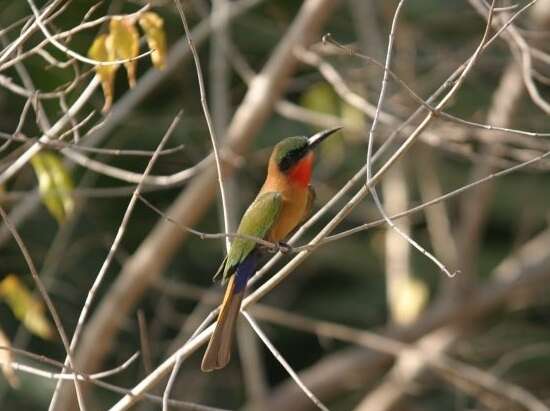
(206, 111)
(203, 235)
(72, 374)
(144, 342)
(56, 144)
(283, 362)
(130, 176)
(170, 384)
(20, 124)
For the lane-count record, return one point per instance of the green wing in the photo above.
(257, 221)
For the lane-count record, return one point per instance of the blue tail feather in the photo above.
(245, 270)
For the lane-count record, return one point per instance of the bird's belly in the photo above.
(292, 214)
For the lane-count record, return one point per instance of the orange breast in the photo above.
(294, 189)
(293, 212)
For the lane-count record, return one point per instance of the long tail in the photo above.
(218, 353)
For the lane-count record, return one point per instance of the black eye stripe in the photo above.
(289, 151)
(292, 158)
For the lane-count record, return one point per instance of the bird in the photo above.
(282, 204)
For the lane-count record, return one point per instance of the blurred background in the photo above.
(492, 318)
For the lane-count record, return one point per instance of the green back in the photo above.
(257, 221)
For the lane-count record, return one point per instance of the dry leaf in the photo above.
(6, 359)
(153, 26)
(55, 184)
(123, 44)
(28, 309)
(99, 52)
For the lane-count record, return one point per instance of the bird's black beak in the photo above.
(317, 138)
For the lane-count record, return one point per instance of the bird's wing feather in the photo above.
(257, 221)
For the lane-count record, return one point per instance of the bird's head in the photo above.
(293, 156)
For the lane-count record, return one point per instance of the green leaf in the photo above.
(55, 184)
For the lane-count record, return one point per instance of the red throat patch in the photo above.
(301, 172)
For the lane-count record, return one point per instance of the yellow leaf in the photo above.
(411, 298)
(25, 306)
(123, 43)
(98, 51)
(153, 26)
(55, 184)
(6, 359)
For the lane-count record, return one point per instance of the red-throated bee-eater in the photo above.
(283, 202)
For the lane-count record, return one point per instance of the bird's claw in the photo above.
(284, 248)
(280, 246)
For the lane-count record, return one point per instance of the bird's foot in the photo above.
(284, 248)
(279, 246)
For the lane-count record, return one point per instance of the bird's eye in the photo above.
(291, 158)
(285, 163)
